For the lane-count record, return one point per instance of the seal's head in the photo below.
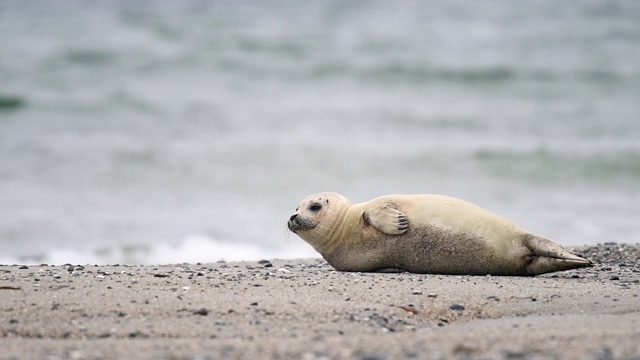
(316, 217)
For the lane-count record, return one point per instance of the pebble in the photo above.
(23, 267)
(409, 308)
(456, 307)
(203, 312)
(416, 292)
(372, 357)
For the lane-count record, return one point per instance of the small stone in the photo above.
(23, 267)
(605, 353)
(265, 263)
(409, 308)
(456, 307)
(432, 295)
(614, 278)
(203, 312)
(416, 292)
(137, 334)
(372, 357)
(161, 275)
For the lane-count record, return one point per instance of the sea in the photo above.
(163, 132)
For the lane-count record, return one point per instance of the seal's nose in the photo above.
(293, 217)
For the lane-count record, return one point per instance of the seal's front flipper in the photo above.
(550, 256)
(387, 220)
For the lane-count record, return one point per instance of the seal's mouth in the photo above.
(297, 223)
(293, 227)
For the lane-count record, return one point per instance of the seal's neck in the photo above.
(344, 223)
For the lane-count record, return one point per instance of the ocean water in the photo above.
(149, 132)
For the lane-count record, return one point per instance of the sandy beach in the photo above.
(303, 309)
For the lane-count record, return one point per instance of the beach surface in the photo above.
(303, 309)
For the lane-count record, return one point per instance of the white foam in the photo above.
(193, 248)
(202, 248)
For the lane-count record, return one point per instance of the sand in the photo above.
(303, 309)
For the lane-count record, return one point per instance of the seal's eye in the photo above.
(315, 207)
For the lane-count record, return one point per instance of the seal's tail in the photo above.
(550, 257)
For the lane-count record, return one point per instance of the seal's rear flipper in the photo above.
(549, 256)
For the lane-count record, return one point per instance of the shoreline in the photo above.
(302, 308)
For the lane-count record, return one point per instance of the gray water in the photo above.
(153, 131)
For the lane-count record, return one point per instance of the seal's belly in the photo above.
(436, 250)
(430, 249)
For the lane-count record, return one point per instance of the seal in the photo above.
(434, 234)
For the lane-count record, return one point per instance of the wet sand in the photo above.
(302, 309)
